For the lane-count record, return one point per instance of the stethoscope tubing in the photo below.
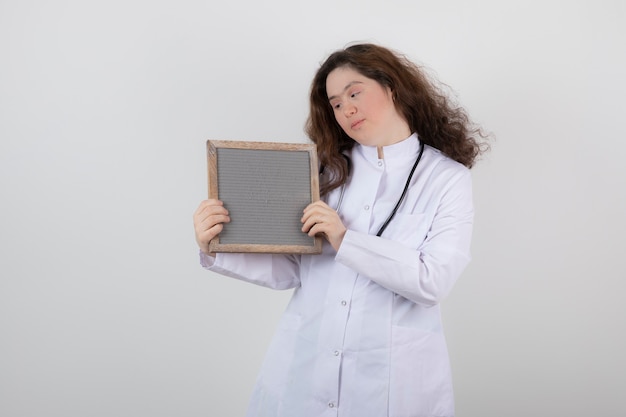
(399, 202)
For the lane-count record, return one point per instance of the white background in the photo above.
(105, 108)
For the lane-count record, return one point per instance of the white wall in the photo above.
(105, 108)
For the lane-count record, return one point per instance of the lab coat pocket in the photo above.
(275, 371)
(420, 379)
(410, 229)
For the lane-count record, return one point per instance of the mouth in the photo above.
(356, 124)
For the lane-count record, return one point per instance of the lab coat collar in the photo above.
(396, 153)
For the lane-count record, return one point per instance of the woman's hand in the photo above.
(319, 218)
(207, 222)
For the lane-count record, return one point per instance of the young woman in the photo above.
(362, 334)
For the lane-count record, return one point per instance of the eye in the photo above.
(354, 94)
(336, 106)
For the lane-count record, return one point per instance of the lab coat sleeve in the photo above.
(424, 275)
(279, 272)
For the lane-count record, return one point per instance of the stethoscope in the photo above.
(395, 209)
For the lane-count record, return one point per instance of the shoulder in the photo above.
(448, 179)
(438, 164)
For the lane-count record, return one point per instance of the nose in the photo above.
(349, 110)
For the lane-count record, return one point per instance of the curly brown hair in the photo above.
(429, 112)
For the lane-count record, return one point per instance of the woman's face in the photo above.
(364, 108)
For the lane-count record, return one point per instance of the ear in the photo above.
(390, 92)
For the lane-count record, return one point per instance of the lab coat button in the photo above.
(331, 404)
(336, 353)
(343, 302)
(366, 207)
(380, 163)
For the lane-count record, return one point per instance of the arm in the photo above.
(279, 272)
(424, 275)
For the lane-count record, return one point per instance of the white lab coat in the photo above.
(362, 335)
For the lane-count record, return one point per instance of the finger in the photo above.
(211, 232)
(210, 210)
(311, 219)
(204, 203)
(205, 238)
(319, 204)
(208, 230)
(314, 230)
(306, 227)
(316, 212)
(211, 221)
(214, 211)
(319, 229)
(207, 204)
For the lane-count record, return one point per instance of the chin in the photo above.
(362, 139)
(367, 142)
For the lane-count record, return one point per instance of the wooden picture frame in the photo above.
(265, 186)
